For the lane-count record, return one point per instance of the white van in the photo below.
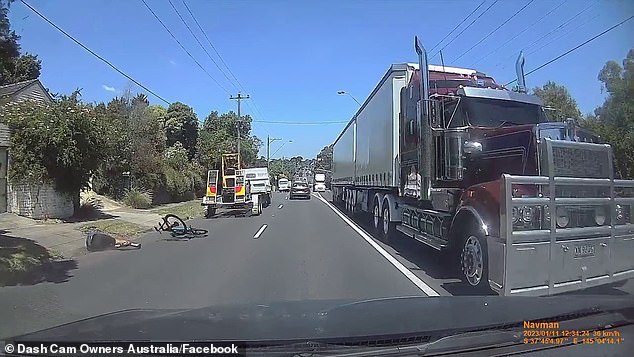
(282, 185)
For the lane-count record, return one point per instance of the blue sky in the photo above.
(293, 56)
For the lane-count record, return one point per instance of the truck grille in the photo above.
(574, 159)
(572, 162)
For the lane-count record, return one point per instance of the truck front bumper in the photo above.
(562, 253)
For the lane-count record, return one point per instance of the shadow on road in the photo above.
(88, 212)
(24, 262)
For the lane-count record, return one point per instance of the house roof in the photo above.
(11, 90)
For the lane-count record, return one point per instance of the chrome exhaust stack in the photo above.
(425, 154)
(519, 69)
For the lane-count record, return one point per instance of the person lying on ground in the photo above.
(100, 241)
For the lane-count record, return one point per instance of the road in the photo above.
(296, 250)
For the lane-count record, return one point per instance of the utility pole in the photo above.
(239, 97)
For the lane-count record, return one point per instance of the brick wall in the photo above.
(38, 201)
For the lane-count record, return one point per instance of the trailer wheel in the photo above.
(388, 228)
(474, 261)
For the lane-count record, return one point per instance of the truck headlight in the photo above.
(527, 214)
(562, 217)
(619, 213)
(516, 215)
(599, 216)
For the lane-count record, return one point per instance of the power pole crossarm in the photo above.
(239, 98)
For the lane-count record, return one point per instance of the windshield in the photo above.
(494, 113)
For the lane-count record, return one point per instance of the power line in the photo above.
(93, 53)
(210, 44)
(200, 44)
(574, 48)
(455, 28)
(219, 56)
(525, 29)
(564, 34)
(549, 33)
(183, 47)
(465, 29)
(497, 28)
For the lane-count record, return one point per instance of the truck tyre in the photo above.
(376, 216)
(388, 228)
(474, 261)
(210, 212)
(259, 208)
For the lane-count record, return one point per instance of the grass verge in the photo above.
(22, 261)
(115, 227)
(187, 210)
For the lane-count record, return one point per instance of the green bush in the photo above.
(138, 198)
(177, 182)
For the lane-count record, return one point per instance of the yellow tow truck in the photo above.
(230, 190)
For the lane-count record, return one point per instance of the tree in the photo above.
(614, 120)
(324, 158)
(158, 112)
(181, 124)
(59, 142)
(280, 168)
(219, 134)
(558, 97)
(14, 66)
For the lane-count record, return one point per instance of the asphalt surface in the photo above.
(296, 250)
(305, 252)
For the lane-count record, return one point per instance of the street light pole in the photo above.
(342, 92)
(269, 140)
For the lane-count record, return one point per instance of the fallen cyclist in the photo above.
(99, 241)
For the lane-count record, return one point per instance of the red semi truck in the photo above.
(449, 158)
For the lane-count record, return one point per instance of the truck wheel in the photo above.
(259, 208)
(376, 216)
(388, 228)
(474, 261)
(210, 212)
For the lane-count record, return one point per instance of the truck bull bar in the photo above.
(569, 229)
(560, 251)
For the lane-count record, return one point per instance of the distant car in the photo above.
(299, 189)
(282, 185)
(320, 187)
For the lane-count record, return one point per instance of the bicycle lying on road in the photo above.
(178, 229)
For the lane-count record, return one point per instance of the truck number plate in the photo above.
(584, 250)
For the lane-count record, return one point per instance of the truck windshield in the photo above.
(494, 112)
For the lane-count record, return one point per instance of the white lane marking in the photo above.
(408, 274)
(259, 232)
(280, 206)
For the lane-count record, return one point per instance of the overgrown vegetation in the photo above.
(137, 198)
